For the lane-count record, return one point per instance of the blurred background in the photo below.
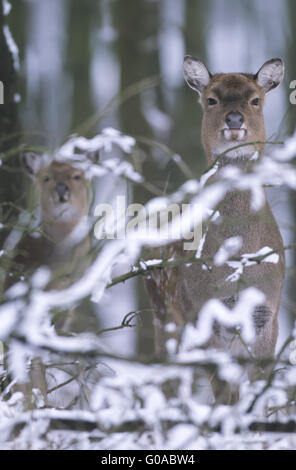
(75, 56)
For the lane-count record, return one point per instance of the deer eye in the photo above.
(77, 177)
(46, 179)
(211, 101)
(255, 101)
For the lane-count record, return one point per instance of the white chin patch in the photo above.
(63, 212)
(234, 135)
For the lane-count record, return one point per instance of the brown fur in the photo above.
(235, 92)
(58, 220)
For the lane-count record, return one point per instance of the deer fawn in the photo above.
(232, 114)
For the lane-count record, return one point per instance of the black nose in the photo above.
(61, 189)
(234, 120)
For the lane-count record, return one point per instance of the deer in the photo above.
(63, 203)
(64, 245)
(232, 105)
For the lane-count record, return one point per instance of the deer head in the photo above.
(232, 106)
(63, 192)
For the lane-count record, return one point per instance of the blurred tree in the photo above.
(78, 58)
(139, 56)
(185, 136)
(291, 72)
(137, 62)
(8, 78)
(9, 181)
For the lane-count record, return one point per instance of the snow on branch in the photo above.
(99, 275)
(151, 396)
(215, 310)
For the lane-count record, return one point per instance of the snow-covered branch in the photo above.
(136, 394)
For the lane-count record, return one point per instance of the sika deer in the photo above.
(232, 106)
(64, 246)
(63, 193)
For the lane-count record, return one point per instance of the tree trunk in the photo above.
(9, 180)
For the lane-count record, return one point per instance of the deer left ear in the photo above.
(271, 74)
(196, 74)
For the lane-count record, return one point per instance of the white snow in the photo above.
(12, 46)
(122, 389)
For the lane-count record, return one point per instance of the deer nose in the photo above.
(234, 120)
(61, 189)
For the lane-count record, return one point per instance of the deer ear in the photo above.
(196, 73)
(270, 74)
(31, 162)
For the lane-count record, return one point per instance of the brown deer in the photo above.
(63, 195)
(64, 245)
(232, 106)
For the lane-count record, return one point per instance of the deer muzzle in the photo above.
(234, 129)
(63, 192)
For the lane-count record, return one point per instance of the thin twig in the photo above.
(259, 142)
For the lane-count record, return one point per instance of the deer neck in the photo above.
(58, 231)
(236, 202)
(61, 233)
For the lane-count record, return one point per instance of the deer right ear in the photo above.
(31, 162)
(271, 74)
(196, 74)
